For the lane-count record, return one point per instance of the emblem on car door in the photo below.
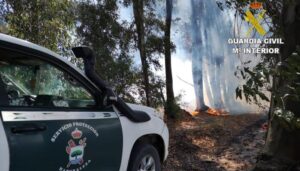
(76, 151)
(76, 145)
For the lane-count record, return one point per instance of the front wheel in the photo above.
(144, 157)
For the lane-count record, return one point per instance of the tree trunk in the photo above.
(282, 149)
(168, 63)
(138, 11)
(197, 59)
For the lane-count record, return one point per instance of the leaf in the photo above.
(243, 74)
(263, 96)
(238, 93)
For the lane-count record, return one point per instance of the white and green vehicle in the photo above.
(56, 117)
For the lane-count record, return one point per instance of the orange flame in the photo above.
(211, 111)
(195, 113)
(217, 112)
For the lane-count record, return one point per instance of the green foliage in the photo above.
(290, 72)
(173, 109)
(60, 24)
(257, 79)
(46, 23)
(97, 27)
(153, 35)
(157, 90)
(287, 119)
(113, 42)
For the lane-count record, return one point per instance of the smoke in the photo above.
(203, 31)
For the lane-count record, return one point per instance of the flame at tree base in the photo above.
(217, 112)
(211, 111)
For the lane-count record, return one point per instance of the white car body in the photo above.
(131, 131)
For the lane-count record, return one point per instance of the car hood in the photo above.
(149, 110)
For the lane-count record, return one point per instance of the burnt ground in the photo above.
(215, 143)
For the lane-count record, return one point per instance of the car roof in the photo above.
(27, 44)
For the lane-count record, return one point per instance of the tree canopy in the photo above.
(60, 25)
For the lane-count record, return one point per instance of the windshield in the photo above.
(29, 81)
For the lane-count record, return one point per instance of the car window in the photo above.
(34, 83)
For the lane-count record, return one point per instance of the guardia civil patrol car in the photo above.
(56, 117)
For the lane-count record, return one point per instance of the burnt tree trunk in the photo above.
(168, 63)
(138, 11)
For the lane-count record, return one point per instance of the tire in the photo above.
(143, 154)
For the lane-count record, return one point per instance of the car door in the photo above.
(53, 121)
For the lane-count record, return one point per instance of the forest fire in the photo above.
(216, 112)
(211, 111)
